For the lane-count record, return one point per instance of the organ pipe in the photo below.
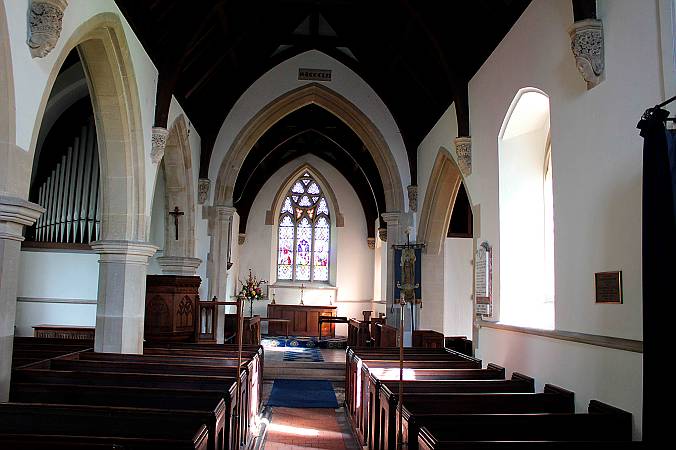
(71, 194)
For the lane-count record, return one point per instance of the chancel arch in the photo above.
(526, 212)
(336, 104)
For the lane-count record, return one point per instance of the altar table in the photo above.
(303, 319)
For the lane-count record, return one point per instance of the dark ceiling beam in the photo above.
(584, 9)
(456, 83)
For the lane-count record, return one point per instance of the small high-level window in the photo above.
(304, 233)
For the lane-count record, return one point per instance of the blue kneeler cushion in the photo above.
(303, 355)
(303, 394)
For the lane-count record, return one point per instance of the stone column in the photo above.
(220, 221)
(15, 213)
(396, 225)
(120, 308)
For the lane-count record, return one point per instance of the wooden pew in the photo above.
(427, 339)
(386, 370)
(387, 335)
(219, 410)
(601, 423)
(35, 442)
(131, 428)
(385, 395)
(175, 363)
(416, 409)
(225, 386)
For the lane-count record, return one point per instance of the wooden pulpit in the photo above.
(171, 308)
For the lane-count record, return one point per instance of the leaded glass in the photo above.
(287, 206)
(305, 201)
(321, 250)
(285, 257)
(304, 233)
(304, 249)
(323, 208)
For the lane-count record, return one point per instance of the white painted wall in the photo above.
(609, 375)
(596, 155)
(458, 272)
(45, 276)
(284, 78)
(354, 260)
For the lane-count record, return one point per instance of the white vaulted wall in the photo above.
(354, 260)
(596, 156)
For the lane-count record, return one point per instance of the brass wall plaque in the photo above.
(608, 287)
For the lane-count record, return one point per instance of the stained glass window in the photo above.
(304, 233)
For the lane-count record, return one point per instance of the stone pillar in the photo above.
(397, 223)
(120, 309)
(15, 213)
(220, 221)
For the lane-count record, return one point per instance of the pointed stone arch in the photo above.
(106, 59)
(442, 191)
(334, 103)
(179, 254)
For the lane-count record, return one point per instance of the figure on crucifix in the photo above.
(176, 213)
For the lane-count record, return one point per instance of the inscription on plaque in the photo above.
(608, 287)
(314, 74)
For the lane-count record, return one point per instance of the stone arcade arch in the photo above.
(442, 190)
(179, 255)
(124, 254)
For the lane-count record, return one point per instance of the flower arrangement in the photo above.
(251, 290)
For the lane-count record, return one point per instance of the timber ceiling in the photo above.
(416, 55)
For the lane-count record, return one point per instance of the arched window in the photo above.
(304, 233)
(526, 213)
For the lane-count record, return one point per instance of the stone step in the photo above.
(304, 371)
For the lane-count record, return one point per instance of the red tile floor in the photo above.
(306, 428)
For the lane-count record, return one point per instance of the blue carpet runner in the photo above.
(303, 394)
(303, 355)
(308, 342)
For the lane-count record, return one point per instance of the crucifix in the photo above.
(176, 212)
(302, 286)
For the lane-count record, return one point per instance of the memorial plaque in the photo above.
(608, 286)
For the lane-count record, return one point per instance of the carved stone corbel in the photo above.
(159, 144)
(412, 197)
(371, 242)
(586, 42)
(241, 237)
(203, 185)
(382, 234)
(463, 149)
(45, 20)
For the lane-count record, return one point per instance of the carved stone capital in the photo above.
(159, 144)
(463, 150)
(44, 25)
(203, 186)
(586, 42)
(15, 213)
(382, 234)
(371, 242)
(124, 251)
(412, 197)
